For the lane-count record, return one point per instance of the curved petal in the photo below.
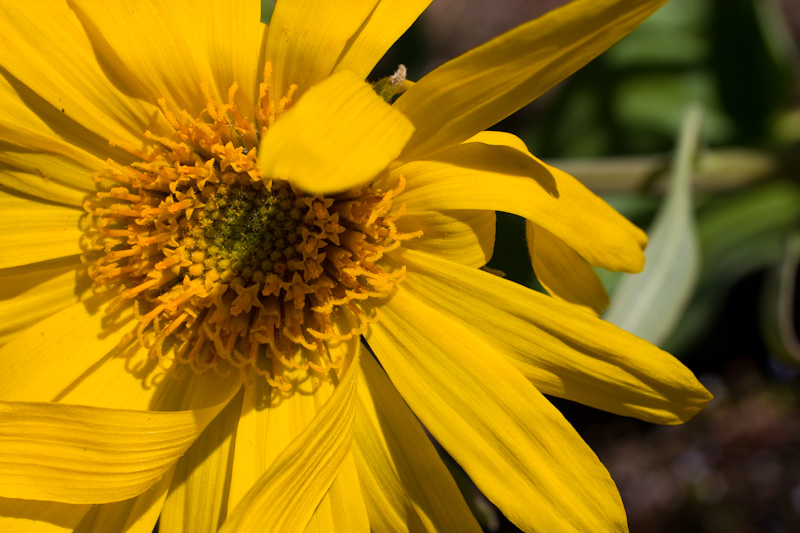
(33, 231)
(339, 135)
(45, 359)
(54, 58)
(136, 515)
(563, 351)
(306, 39)
(40, 517)
(79, 454)
(285, 496)
(463, 236)
(477, 175)
(196, 500)
(562, 272)
(406, 484)
(385, 24)
(483, 86)
(516, 447)
(30, 293)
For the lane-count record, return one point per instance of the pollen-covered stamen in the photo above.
(228, 269)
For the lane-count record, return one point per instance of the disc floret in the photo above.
(227, 268)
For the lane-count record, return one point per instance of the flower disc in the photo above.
(229, 268)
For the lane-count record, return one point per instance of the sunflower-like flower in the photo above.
(237, 283)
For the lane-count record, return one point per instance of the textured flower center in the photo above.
(227, 268)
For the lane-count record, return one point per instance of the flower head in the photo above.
(236, 279)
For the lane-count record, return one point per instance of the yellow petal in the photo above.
(230, 35)
(29, 144)
(54, 58)
(30, 293)
(387, 22)
(79, 454)
(342, 510)
(406, 484)
(307, 37)
(563, 273)
(129, 379)
(40, 139)
(40, 517)
(151, 50)
(42, 361)
(477, 175)
(563, 351)
(136, 515)
(478, 89)
(250, 459)
(196, 500)
(32, 231)
(286, 495)
(465, 236)
(33, 184)
(267, 427)
(339, 135)
(517, 448)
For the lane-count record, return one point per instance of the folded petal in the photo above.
(563, 351)
(339, 135)
(307, 37)
(385, 24)
(406, 485)
(563, 273)
(79, 454)
(464, 236)
(286, 495)
(54, 230)
(478, 89)
(29, 293)
(484, 175)
(517, 448)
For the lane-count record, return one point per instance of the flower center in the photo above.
(227, 268)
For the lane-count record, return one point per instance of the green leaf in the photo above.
(649, 304)
(267, 7)
(739, 234)
(777, 303)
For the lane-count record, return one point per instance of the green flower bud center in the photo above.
(247, 229)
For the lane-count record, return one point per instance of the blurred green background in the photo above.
(690, 127)
(718, 189)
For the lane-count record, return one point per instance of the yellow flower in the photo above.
(235, 280)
